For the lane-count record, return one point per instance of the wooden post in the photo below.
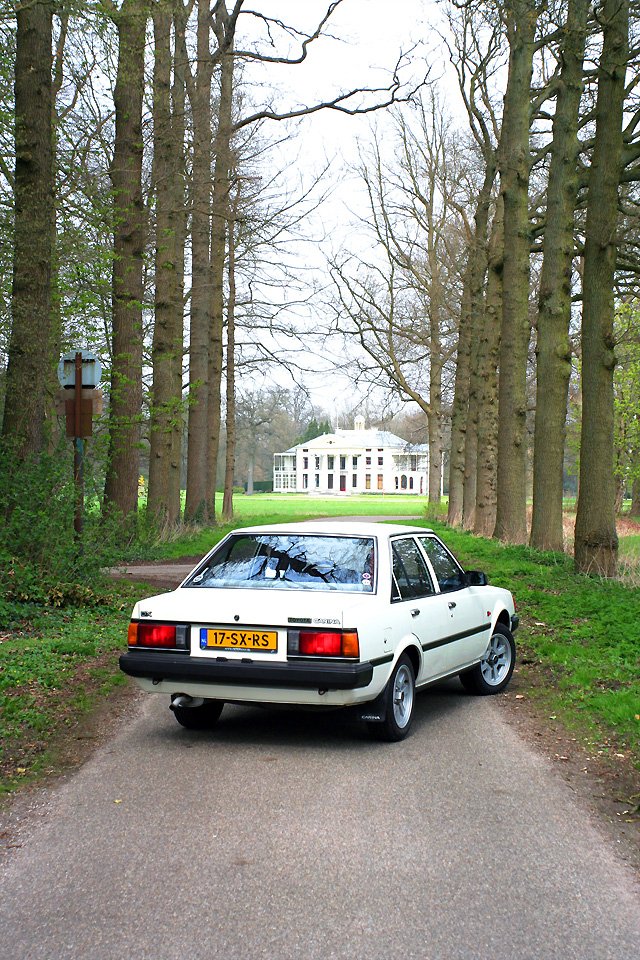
(78, 454)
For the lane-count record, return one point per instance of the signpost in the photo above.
(79, 373)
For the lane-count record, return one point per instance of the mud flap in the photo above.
(375, 711)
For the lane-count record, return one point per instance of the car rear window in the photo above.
(277, 561)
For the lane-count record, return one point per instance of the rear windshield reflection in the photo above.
(295, 560)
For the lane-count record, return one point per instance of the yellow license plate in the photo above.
(257, 641)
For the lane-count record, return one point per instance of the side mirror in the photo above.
(475, 578)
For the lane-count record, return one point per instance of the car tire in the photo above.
(399, 703)
(203, 717)
(493, 673)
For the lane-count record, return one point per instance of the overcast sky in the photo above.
(365, 40)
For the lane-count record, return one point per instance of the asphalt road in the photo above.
(287, 835)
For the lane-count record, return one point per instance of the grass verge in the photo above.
(583, 633)
(53, 669)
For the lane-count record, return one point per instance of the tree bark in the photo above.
(125, 404)
(635, 498)
(196, 500)
(166, 352)
(514, 165)
(460, 405)
(488, 356)
(596, 539)
(179, 220)
(225, 31)
(554, 311)
(477, 322)
(230, 458)
(34, 333)
(435, 364)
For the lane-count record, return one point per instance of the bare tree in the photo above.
(403, 314)
(474, 51)
(514, 166)
(206, 412)
(166, 406)
(125, 405)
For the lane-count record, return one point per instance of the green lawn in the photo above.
(584, 631)
(279, 508)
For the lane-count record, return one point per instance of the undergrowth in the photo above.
(586, 631)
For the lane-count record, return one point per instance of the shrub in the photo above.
(40, 561)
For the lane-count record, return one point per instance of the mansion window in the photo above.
(343, 463)
(380, 482)
(330, 479)
(329, 463)
(367, 482)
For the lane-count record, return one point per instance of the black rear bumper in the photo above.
(182, 668)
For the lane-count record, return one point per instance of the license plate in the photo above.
(258, 641)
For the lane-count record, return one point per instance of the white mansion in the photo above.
(353, 461)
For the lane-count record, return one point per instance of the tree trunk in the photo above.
(435, 373)
(514, 163)
(166, 352)
(460, 405)
(196, 500)
(635, 498)
(125, 404)
(225, 27)
(34, 336)
(230, 460)
(596, 540)
(477, 308)
(250, 471)
(489, 351)
(471, 443)
(554, 313)
(179, 220)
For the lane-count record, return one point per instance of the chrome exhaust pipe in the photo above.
(184, 700)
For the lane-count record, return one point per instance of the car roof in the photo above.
(352, 528)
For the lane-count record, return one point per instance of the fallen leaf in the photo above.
(117, 801)
(519, 696)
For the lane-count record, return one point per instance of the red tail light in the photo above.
(323, 643)
(152, 635)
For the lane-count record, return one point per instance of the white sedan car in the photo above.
(322, 614)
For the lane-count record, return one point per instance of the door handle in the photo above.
(451, 605)
(415, 613)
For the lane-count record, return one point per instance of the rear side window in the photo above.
(447, 571)
(410, 574)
